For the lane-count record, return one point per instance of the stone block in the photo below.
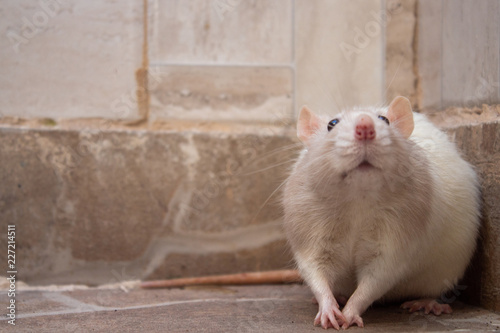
(458, 53)
(213, 93)
(70, 59)
(339, 54)
(481, 147)
(430, 53)
(470, 52)
(401, 25)
(221, 31)
(99, 207)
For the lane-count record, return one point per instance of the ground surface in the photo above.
(286, 308)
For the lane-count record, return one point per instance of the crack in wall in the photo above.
(198, 243)
(417, 103)
(141, 75)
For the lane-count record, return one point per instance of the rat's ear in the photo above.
(307, 124)
(401, 115)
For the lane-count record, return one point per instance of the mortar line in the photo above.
(294, 63)
(383, 71)
(145, 59)
(199, 64)
(441, 52)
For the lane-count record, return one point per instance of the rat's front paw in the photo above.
(351, 319)
(329, 315)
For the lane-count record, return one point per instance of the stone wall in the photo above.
(149, 139)
(92, 207)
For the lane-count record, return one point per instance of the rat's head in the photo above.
(361, 140)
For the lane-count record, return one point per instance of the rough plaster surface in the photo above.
(461, 116)
(481, 146)
(98, 206)
(70, 59)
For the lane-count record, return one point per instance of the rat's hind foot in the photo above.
(427, 304)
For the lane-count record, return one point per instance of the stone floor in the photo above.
(284, 308)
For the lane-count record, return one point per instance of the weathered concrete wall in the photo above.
(102, 206)
(481, 146)
(93, 207)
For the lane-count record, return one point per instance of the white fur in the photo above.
(405, 228)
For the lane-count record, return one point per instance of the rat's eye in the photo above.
(384, 119)
(332, 123)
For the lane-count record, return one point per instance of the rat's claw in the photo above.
(437, 308)
(326, 320)
(317, 320)
(355, 320)
(428, 305)
(332, 321)
(329, 315)
(351, 317)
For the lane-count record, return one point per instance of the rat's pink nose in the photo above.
(365, 128)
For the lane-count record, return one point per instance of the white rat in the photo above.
(379, 206)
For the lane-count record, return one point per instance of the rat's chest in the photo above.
(357, 237)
